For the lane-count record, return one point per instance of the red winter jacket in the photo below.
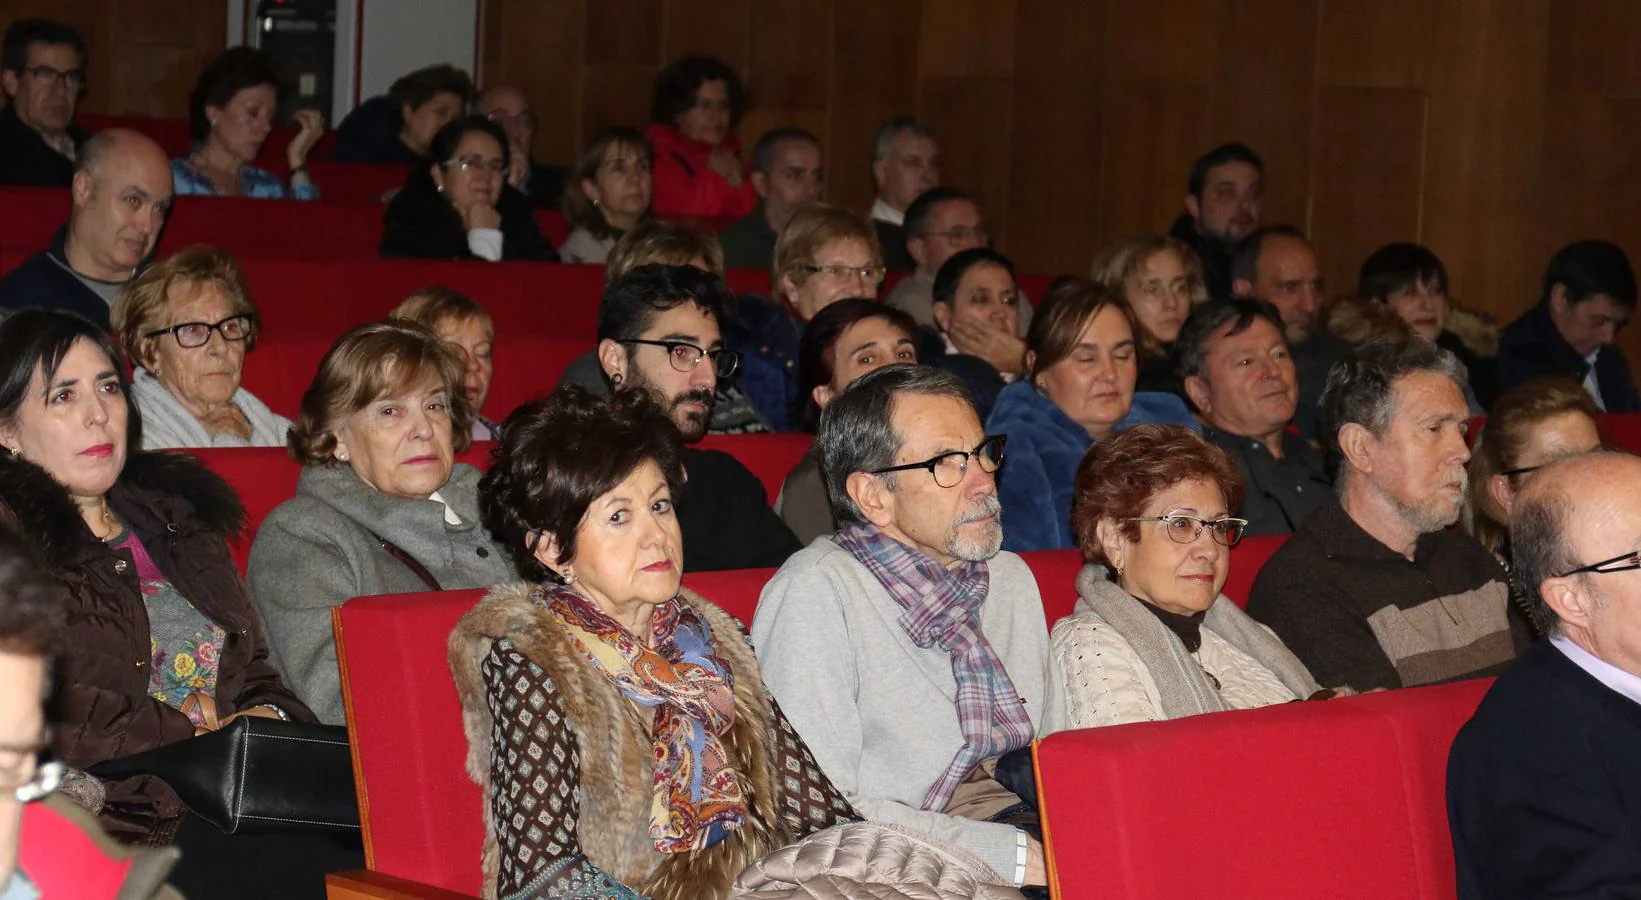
(686, 187)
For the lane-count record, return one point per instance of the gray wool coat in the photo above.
(316, 551)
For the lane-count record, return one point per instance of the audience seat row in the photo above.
(1151, 794)
(272, 229)
(266, 476)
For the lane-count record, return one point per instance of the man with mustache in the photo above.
(906, 649)
(658, 331)
(1278, 265)
(43, 77)
(1224, 199)
(1373, 590)
(121, 196)
(1240, 378)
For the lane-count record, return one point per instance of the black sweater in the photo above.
(26, 158)
(421, 224)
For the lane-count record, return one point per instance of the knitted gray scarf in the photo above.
(1180, 680)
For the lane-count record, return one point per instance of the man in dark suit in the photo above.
(1543, 786)
(44, 73)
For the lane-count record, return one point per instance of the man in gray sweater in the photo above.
(905, 648)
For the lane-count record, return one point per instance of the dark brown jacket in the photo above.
(183, 514)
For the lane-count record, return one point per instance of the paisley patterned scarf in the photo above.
(698, 799)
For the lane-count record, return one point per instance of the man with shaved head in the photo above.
(1543, 789)
(121, 194)
(507, 106)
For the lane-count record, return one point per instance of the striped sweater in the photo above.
(1358, 613)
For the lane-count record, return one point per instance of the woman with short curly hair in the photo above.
(1151, 636)
(581, 496)
(381, 507)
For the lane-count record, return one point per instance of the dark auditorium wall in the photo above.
(1491, 130)
(145, 53)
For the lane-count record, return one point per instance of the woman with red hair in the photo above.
(1151, 636)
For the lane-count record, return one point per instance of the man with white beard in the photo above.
(1373, 591)
(906, 649)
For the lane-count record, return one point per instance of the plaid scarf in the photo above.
(697, 799)
(942, 609)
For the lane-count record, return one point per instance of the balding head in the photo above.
(1575, 513)
(121, 195)
(507, 105)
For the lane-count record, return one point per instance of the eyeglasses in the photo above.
(198, 334)
(476, 163)
(26, 777)
(949, 468)
(685, 357)
(73, 78)
(961, 233)
(1623, 563)
(1186, 529)
(868, 274)
(526, 118)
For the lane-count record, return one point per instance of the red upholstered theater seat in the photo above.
(422, 817)
(1056, 575)
(62, 860)
(735, 592)
(768, 456)
(265, 477)
(1335, 799)
(1622, 430)
(1247, 558)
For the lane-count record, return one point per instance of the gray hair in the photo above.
(894, 128)
(857, 432)
(1360, 383)
(1538, 523)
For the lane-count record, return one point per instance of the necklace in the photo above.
(113, 526)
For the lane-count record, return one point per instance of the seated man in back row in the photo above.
(905, 649)
(1543, 794)
(1373, 591)
(658, 330)
(120, 198)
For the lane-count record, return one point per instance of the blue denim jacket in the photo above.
(257, 183)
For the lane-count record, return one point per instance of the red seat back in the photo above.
(1621, 430)
(1247, 558)
(1295, 800)
(62, 860)
(422, 817)
(1056, 575)
(768, 456)
(735, 592)
(265, 477)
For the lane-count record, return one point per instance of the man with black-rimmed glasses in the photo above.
(909, 650)
(1543, 793)
(43, 65)
(659, 331)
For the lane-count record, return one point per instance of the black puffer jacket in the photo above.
(184, 514)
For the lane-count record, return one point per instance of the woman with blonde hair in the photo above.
(187, 324)
(463, 323)
(1161, 280)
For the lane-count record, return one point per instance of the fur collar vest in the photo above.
(615, 746)
(170, 490)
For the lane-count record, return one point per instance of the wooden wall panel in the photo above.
(1492, 130)
(1368, 175)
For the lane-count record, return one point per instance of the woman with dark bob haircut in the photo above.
(698, 171)
(230, 112)
(381, 506)
(580, 495)
(1151, 636)
(457, 204)
(164, 643)
(841, 343)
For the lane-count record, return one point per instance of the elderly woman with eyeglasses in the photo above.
(823, 255)
(1151, 636)
(186, 324)
(457, 203)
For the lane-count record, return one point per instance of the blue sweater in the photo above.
(1040, 462)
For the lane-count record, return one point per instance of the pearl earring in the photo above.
(342, 456)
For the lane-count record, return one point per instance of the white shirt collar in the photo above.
(883, 212)
(1605, 672)
(450, 517)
